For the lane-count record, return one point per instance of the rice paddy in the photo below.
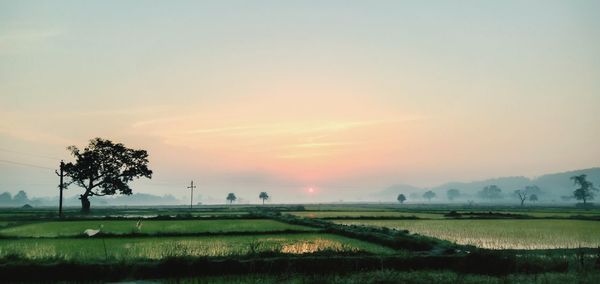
(154, 248)
(75, 228)
(500, 234)
(370, 214)
(278, 238)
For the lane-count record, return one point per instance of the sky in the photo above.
(344, 97)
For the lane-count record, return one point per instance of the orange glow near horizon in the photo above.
(277, 136)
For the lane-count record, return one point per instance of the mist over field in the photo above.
(556, 188)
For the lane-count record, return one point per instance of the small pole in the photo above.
(191, 187)
(61, 187)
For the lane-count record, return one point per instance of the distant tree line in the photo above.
(19, 199)
(231, 197)
(584, 192)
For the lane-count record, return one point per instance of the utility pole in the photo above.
(61, 186)
(191, 187)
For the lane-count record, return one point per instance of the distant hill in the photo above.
(553, 186)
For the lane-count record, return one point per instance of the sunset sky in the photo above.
(282, 96)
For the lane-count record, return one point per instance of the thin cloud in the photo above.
(320, 145)
(291, 128)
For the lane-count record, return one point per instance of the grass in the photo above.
(540, 212)
(74, 228)
(500, 234)
(92, 249)
(358, 214)
(7, 214)
(255, 239)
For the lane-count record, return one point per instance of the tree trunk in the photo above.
(85, 204)
(263, 201)
(522, 202)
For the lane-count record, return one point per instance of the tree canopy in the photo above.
(231, 197)
(264, 196)
(490, 192)
(105, 168)
(533, 197)
(586, 189)
(429, 195)
(401, 198)
(452, 194)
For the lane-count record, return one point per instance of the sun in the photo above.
(311, 190)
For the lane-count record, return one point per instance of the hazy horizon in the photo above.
(338, 96)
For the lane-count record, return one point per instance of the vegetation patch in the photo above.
(127, 249)
(499, 234)
(77, 228)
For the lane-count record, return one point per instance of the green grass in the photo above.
(7, 214)
(344, 207)
(541, 212)
(74, 228)
(500, 234)
(92, 249)
(357, 214)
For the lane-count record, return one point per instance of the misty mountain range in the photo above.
(556, 187)
(553, 187)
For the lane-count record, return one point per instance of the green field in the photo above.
(74, 228)
(540, 212)
(436, 213)
(12, 213)
(500, 234)
(370, 214)
(285, 237)
(92, 249)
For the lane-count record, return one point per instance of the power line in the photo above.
(25, 164)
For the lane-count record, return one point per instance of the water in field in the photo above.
(500, 234)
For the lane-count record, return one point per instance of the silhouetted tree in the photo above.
(522, 195)
(105, 168)
(20, 198)
(231, 197)
(533, 198)
(264, 196)
(429, 195)
(528, 191)
(586, 189)
(490, 192)
(401, 198)
(452, 194)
